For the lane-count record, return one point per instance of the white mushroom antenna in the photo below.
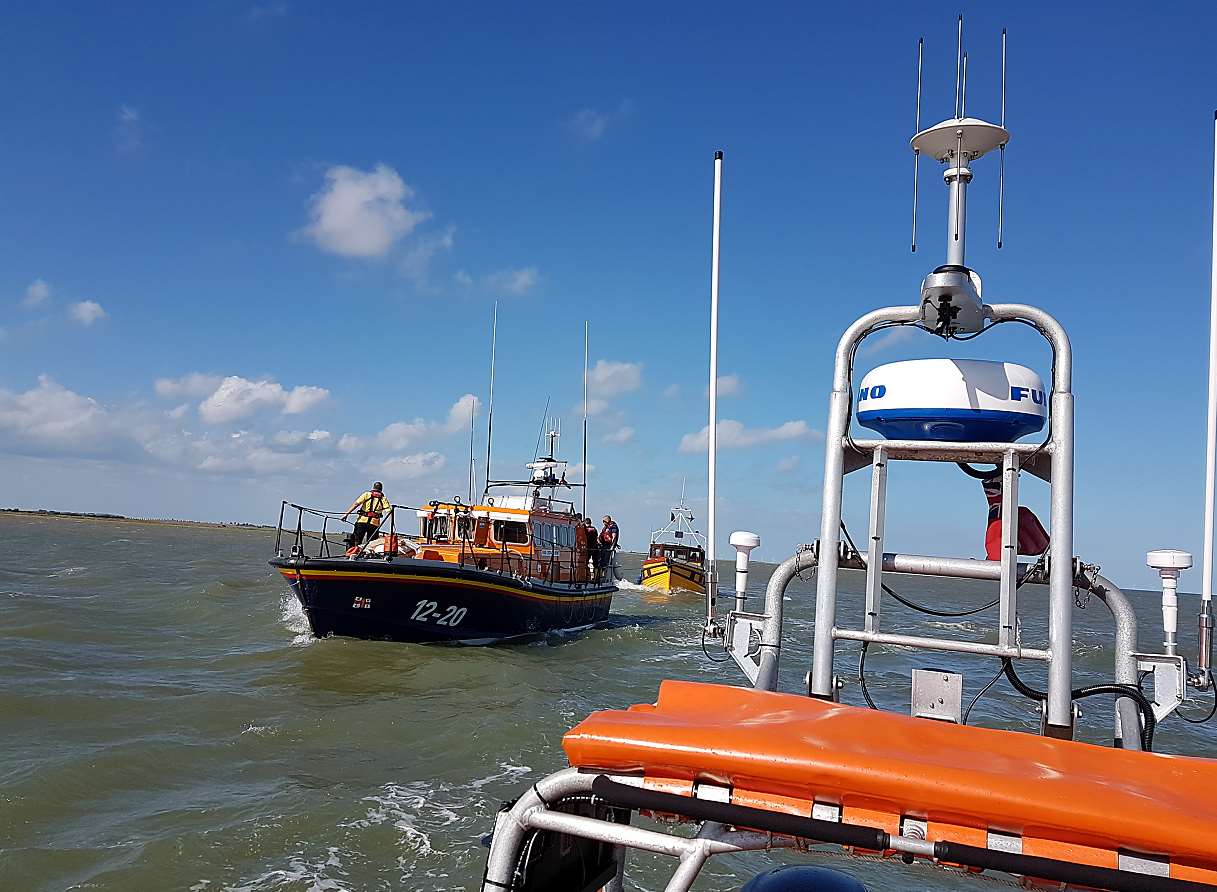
(743, 542)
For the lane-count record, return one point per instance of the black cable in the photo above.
(1120, 690)
(1212, 709)
(913, 605)
(967, 712)
(726, 659)
(862, 676)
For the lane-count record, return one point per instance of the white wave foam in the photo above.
(260, 730)
(507, 770)
(406, 806)
(625, 585)
(297, 872)
(293, 617)
(66, 571)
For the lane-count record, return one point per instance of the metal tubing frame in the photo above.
(1060, 448)
(1008, 586)
(530, 812)
(946, 644)
(874, 545)
(771, 631)
(1127, 713)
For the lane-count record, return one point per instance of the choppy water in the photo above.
(167, 723)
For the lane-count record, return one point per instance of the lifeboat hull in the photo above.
(668, 576)
(435, 602)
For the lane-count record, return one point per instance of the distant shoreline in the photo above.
(122, 518)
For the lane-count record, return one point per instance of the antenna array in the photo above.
(959, 173)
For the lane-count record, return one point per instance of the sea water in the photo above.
(167, 722)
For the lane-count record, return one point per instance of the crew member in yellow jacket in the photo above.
(370, 509)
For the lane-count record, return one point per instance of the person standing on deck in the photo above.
(370, 509)
(592, 540)
(609, 535)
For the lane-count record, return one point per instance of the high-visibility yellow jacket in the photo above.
(371, 506)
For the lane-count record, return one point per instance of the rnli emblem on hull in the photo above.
(362, 602)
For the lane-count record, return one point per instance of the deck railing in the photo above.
(318, 533)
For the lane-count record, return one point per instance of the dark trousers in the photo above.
(364, 532)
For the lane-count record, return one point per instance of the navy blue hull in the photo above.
(435, 602)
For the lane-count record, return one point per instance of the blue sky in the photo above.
(251, 249)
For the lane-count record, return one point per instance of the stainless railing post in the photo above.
(839, 412)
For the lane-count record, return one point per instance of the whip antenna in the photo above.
(1001, 164)
(1210, 482)
(917, 129)
(712, 430)
(586, 326)
(958, 66)
(494, 330)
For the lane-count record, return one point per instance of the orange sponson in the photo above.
(764, 744)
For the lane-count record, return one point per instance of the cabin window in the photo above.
(512, 532)
(435, 527)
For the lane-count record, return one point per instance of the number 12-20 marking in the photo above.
(424, 611)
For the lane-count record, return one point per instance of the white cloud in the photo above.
(36, 294)
(734, 435)
(728, 385)
(621, 436)
(589, 124)
(408, 467)
(49, 420)
(671, 392)
(52, 420)
(238, 397)
(86, 312)
(403, 434)
(462, 412)
(885, 340)
(580, 471)
(195, 384)
(260, 12)
(788, 464)
(415, 263)
(128, 129)
(301, 399)
(361, 213)
(595, 406)
(513, 281)
(463, 279)
(609, 378)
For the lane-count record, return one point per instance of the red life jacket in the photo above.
(1031, 536)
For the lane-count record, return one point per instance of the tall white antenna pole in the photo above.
(1210, 476)
(958, 65)
(916, 130)
(473, 414)
(1204, 643)
(494, 332)
(1001, 171)
(586, 326)
(712, 430)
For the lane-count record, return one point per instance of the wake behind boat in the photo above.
(513, 568)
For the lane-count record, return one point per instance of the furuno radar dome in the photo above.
(960, 400)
